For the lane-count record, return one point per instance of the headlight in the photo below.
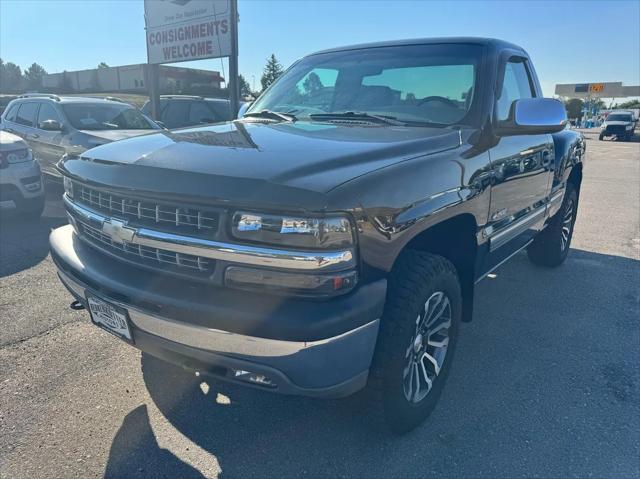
(68, 186)
(17, 156)
(629, 127)
(331, 232)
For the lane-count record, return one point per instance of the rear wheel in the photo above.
(417, 337)
(601, 137)
(551, 246)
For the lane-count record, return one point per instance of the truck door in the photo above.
(522, 167)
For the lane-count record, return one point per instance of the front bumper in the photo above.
(304, 347)
(617, 131)
(20, 185)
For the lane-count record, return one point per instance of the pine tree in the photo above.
(245, 88)
(33, 76)
(272, 70)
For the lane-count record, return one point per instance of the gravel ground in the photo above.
(544, 384)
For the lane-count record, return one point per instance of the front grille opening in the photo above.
(151, 257)
(196, 222)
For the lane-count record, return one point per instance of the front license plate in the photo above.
(109, 317)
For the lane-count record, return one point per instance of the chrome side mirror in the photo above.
(534, 116)
(243, 109)
(50, 125)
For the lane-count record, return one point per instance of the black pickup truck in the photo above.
(330, 240)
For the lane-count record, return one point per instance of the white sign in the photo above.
(184, 30)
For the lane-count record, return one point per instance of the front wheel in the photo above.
(417, 337)
(551, 246)
(34, 208)
(601, 136)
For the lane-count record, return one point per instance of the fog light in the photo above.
(68, 186)
(254, 378)
(32, 187)
(290, 283)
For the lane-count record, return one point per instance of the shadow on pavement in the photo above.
(536, 376)
(136, 453)
(25, 242)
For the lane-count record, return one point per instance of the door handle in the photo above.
(9, 130)
(33, 135)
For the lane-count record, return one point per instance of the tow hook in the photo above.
(76, 305)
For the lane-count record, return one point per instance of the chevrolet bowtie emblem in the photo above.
(118, 231)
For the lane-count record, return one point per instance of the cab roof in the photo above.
(492, 42)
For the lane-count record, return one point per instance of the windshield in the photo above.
(92, 116)
(619, 117)
(416, 84)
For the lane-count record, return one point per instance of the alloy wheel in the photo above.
(427, 349)
(567, 224)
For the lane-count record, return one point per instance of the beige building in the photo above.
(131, 78)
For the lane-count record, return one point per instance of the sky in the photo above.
(569, 42)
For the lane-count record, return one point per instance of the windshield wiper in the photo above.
(357, 116)
(273, 115)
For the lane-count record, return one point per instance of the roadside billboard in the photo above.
(590, 90)
(186, 30)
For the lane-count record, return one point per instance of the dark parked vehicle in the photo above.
(620, 124)
(54, 125)
(330, 240)
(178, 111)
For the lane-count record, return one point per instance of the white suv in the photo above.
(21, 186)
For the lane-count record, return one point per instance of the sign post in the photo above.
(187, 30)
(233, 87)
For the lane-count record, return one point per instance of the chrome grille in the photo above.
(153, 257)
(147, 213)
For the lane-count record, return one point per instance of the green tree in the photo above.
(103, 65)
(33, 77)
(574, 107)
(272, 70)
(10, 77)
(245, 88)
(629, 104)
(312, 83)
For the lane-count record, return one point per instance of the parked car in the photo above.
(620, 124)
(21, 188)
(178, 111)
(54, 126)
(330, 240)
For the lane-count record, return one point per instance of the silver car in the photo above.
(54, 125)
(21, 187)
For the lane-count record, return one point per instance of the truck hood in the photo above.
(115, 135)
(245, 161)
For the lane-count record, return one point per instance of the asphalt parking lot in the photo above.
(545, 381)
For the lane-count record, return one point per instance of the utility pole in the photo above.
(234, 91)
(152, 74)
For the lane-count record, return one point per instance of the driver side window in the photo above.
(516, 85)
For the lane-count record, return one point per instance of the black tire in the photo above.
(551, 247)
(33, 209)
(416, 278)
(601, 136)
